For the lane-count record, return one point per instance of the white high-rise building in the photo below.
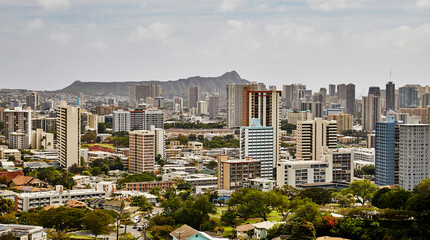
(414, 154)
(121, 121)
(142, 151)
(159, 140)
(313, 136)
(257, 142)
(202, 107)
(69, 134)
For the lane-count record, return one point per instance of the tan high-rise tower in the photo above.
(142, 151)
(69, 134)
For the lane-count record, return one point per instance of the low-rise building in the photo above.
(146, 186)
(295, 173)
(23, 232)
(234, 174)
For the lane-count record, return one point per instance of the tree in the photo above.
(8, 219)
(183, 186)
(363, 190)
(318, 195)
(420, 199)
(161, 232)
(368, 169)
(141, 202)
(155, 191)
(183, 139)
(101, 128)
(394, 199)
(61, 218)
(287, 190)
(344, 200)
(95, 171)
(212, 164)
(309, 212)
(303, 230)
(194, 211)
(57, 234)
(98, 222)
(229, 217)
(89, 137)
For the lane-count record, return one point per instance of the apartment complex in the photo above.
(146, 186)
(344, 121)
(234, 174)
(69, 134)
(17, 120)
(257, 142)
(121, 121)
(142, 151)
(313, 136)
(300, 172)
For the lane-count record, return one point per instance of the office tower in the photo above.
(33, 100)
(137, 120)
(121, 121)
(342, 94)
(371, 109)
(159, 140)
(313, 136)
(266, 106)
(69, 135)
(17, 120)
(159, 102)
(390, 96)
(202, 107)
(315, 107)
(153, 117)
(350, 99)
(344, 121)
(142, 151)
(193, 96)
(156, 90)
(138, 92)
(323, 96)
(413, 154)
(409, 97)
(341, 160)
(287, 92)
(132, 95)
(332, 90)
(387, 152)
(258, 143)
(213, 108)
(235, 174)
(178, 104)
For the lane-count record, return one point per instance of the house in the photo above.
(114, 205)
(186, 232)
(242, 230)
(27, 181)
(261, 229)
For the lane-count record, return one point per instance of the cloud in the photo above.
(99, 45)
(329, 5)
(54, 4)
(229, 5)
(297, 34)
(60, 37)
(154, 31)
(35, 25)
(423, 4)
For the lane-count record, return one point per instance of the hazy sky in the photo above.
(47, 44)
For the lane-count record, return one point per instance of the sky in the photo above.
(48, 44)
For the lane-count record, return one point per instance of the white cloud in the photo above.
(54, 4)
(60, 37)
(99, 45)
(297, 34)
(154, 31)
(229, 5)
(329, 5)
(35, 25)
(423, 4)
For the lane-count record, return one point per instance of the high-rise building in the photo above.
(154, 117)
(390, 96)
(234, 174)
(266, 106)
(178, 104)
(202, 107)
(18, 141)
(159, 102)
(313, 136)
(344, 121)
(193, 96)
(257, 142)
(33, 100)
(17, 120)
(387, 152)
(342, 94)
(69, 135)
(159, 138)
(414, 155)
(88, 122)
(213, 108)
(138, 92)
(371, 109)
(409, 96)
(137, 120)
(341, 161)
(142, 151)
(350, 98)
(121, 121)
(332, 90)
(315, 107)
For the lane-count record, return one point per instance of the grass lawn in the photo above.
(106, 145)
(80, 237)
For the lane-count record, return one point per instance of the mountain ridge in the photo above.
(171, 88)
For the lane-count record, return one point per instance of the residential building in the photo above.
(202, 108)
(18, 141)
(371, 109)
(258, 143)
(193, 96)
(89, 122)
(295, 116)
(213, 108)
(387, 152)
(342, 162)
(300, 172)
(58, 197)
(159, 138)
(42, 140)
(121, 121)
(139, 92)
(142, 151)
(316, 108)
(414, 155)
(146, 186)
(69, 134)
(154, 117)
(17, 120)
(22, 232)
(409, 96)
(234, 174)
(45, 123)
(137, 120)
(186, 232)
(313, 136)
(344, 121)
(178, 104)
(33, 100)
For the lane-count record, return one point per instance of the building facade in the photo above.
(142, 151)
(69, 135)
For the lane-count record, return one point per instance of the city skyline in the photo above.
(314, 42)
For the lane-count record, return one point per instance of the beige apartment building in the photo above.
(234, 174)
(344, 121)
(69, 134)
(17, 120)
(142, 151)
